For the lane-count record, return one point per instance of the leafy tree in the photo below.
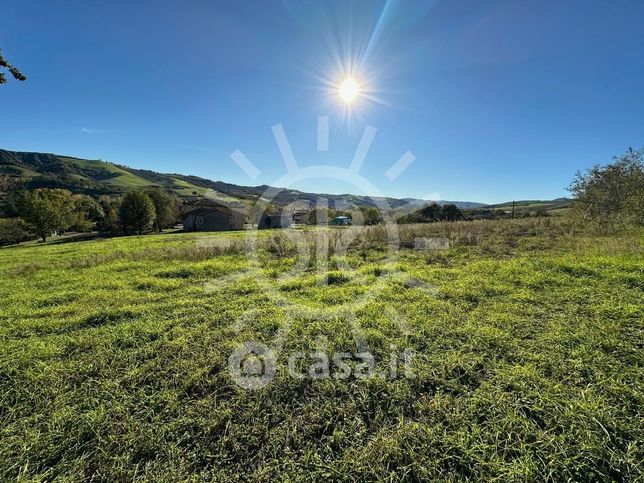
(13, 70)
(163, 208)
(451, 212)
(272, 209)
(313, 216)
(612, 192)
(13, 201)
(12, 231)
(87, 210)
(371, 216)
(111, 222)
(137, 211)
(426, 214)
(90, 207)
(47, 211)
(431, 212)
(321, 216)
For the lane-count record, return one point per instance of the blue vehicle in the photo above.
(341, 221)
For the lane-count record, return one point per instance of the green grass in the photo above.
(528, 366)
(112, 174)
(183, 188)
(115, 176)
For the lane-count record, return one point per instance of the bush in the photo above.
(611, 193)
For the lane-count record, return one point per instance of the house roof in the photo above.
(214, 202)
(203, 211)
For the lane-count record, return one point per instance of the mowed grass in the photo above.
(528, 365)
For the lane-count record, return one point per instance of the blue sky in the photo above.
(497, 100)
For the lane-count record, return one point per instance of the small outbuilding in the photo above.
(268, 220)
(213, 217)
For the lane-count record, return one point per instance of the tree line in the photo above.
(608, 195)
(359, 216)
(611, 194)
(43, 212)
(432, 213)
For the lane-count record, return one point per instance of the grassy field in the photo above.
(527, 339)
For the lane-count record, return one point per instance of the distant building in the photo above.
(341, 221)
(301, 216)
(267, 220)
(211, 215)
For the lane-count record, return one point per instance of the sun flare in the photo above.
(349, 90)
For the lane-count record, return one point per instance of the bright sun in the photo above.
(349, 90)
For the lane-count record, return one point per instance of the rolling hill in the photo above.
(97, 177)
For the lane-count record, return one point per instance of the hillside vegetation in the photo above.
(551, 207)
(94, 177)
(37, 170)
(528, 366)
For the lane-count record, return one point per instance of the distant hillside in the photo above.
(552, 207)
(97, 177)
(37, 170)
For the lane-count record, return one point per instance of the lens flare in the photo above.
(349, 90)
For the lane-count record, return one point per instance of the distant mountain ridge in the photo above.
(96, 177)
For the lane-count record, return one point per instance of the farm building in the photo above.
(275, 221)
(300, 216)
(209, 215)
